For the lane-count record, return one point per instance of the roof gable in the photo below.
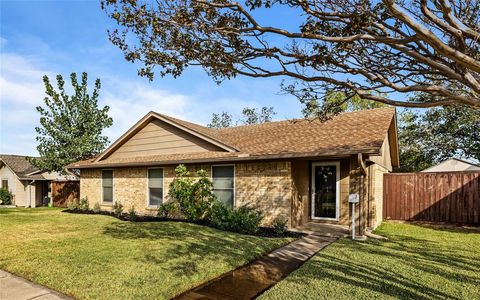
(19, 165)
(157, 134)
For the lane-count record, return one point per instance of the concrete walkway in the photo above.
(249, 281)
(16, 288)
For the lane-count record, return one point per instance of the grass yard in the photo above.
(100, 257)
(415, 263)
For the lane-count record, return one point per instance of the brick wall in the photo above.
(267, 186)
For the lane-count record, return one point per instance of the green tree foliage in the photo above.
(384, 50)
(193, 192)
(249, 116)
(252, 116)
(70, 125)
(222, 120)
(336, 102)
(438, 134)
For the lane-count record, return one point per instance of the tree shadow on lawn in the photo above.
(432, 250)
(190, 243)
(407, 252)
(370, 277)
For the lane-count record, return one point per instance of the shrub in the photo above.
(169, 210)
(244, 219)
(73, 205)
(117, 208)
(96, 207)
(194, 195)
(5, 197)
(132, 214)
(279, 225)
(83, 205)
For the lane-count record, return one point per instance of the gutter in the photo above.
(238, 158)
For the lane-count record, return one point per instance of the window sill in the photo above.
(152, 207)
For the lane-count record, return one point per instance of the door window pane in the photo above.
(107, 186)
(155, 187)
(223, 184)
(325, 192)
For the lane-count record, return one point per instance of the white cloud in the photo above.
(22, 90)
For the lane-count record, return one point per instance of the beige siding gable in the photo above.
(385, 158)
(157, 138)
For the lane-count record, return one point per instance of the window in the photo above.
(5, 184)
(223, 183)
(155, 186)
(107, 186)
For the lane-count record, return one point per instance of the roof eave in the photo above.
(312, 155)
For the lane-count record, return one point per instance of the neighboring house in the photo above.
(29, 185)
(452, 165)
(303, 170)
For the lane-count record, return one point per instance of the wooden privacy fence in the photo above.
(64, 192)
(452, 197)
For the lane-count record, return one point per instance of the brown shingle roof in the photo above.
(348, 133)
(20, 166)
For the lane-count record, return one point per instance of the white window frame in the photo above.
(234, 179)
(148, 188)
(338, 192)
(113, 187)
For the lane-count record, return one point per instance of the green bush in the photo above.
(5, 197)
(193, 193)
(279, 225)
(73, 205)
(169, 210)
(83, 205)
(132, 214)
(244, 219)
(118, 208)
(96, 207)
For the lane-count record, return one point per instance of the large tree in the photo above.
(386, 51)
(437, 134)
(70, 125)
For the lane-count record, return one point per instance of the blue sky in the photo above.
(60, 37)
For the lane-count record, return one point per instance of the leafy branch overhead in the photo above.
(417, 53)
(70, 125)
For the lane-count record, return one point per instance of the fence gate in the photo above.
(452, 197)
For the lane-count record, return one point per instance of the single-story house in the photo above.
(453, 165)
(302, 170)
(30, 186)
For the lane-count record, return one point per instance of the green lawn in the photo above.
(100, 257)
(415, 263)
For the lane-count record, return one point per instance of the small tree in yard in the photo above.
(70, 125)
(193, 193)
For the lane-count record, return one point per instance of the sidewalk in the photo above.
(249, 281)
(16, 288)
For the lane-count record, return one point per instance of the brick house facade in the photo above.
(278, 167)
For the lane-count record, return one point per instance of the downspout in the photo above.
(363, 172)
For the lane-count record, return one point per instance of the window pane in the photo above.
(107, 194)
(225, 196)
(5, 184)
(222, 177)
(155, 197)
(107, 178)
(155, 178)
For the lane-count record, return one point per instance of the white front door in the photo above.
(325, 190)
